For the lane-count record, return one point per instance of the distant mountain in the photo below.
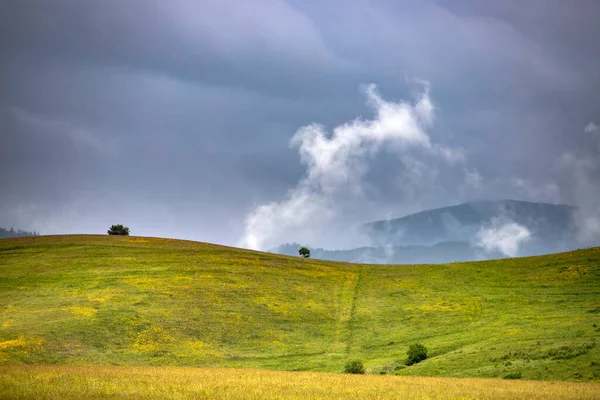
(455, 234)
(550, 225)
(8, 233)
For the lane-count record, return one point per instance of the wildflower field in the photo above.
(128, 301)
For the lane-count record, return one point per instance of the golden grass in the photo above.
(69, 382)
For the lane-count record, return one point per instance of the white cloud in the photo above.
(591, 128)
(503, 235)
(316, 210)
(339, 159)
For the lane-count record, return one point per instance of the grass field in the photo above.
(130, 301)
(65, 383)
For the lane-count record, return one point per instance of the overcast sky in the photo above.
(195, 119)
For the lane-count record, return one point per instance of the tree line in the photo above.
(9, 233)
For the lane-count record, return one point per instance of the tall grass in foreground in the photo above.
(67, 382)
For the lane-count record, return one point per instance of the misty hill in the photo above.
(550, 225)
(464, 232)
(106, 300)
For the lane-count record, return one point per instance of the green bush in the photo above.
(354, 367)
(513, 375)
(416, 353)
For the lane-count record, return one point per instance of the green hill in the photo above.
(141, 301)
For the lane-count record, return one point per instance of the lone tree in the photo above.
(304, 252)
(118, 230)
(416, 353)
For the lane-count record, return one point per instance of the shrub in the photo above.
(569, 352)
(304, 252)
(416, 353)
(118, 230)
(354, 367)
(512, 375)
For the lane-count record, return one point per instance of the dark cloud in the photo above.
(175, 117)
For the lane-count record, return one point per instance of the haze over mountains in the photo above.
(468, 231)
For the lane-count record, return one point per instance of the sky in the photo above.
(257, 123)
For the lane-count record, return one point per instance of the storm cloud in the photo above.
(175, 118)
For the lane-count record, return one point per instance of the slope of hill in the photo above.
(141, 301)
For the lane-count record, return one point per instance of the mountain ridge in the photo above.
(473, 203)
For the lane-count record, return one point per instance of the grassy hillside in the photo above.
(132, 301)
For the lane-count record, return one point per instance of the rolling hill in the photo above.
(132, 301)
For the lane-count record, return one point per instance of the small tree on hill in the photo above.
(416, 353)
(304, 252)
(118, 230)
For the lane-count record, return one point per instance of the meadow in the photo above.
(131, 301)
